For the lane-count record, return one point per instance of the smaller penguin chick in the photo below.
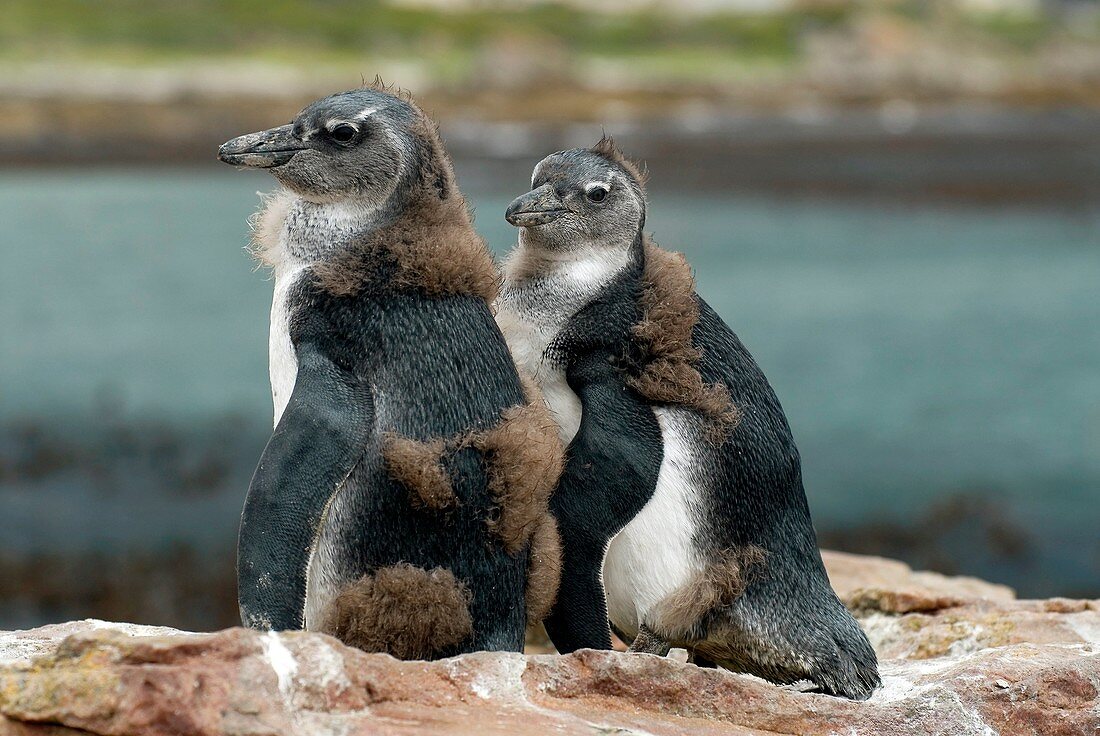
(681, 508)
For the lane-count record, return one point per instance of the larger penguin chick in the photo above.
(681, 508)
(386, 509)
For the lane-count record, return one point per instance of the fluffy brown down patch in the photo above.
(669, 314)
(719, 584)
(523, 456)
(543, 570)
(403, 610)
(419, 467)
(432, 243)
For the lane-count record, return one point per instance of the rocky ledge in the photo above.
(958, 656)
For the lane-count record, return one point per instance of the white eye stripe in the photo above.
(366, 112)
(597, 185)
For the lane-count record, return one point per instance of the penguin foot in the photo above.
(835, 665)
(701, 660)
(648, 642)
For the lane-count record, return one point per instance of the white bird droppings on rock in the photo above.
(281, 660)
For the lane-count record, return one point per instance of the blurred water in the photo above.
(924, 354)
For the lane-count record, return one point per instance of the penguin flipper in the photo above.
(609, 476)
(579, 617)
(319, 439)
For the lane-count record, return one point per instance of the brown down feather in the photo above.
(678, 617)
(543, 569)
(403, 610)
(669, 373)
(669, 313)
(432, 245)
(419, 467)
(524, 459)
(523, 456)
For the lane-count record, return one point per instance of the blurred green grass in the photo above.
(167, 28)
(208, 26)
(540, 61)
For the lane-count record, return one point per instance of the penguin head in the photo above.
(584, 197)
(367, 146)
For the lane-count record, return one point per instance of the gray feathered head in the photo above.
(582, 197)
(366, 145)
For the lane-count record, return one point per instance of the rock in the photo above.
(920, 615)
(876, 582)
(976, 662)
(17, 728)
(974, 626)
(20, 647)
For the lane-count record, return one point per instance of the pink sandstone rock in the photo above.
(985, 664)
(860, 577)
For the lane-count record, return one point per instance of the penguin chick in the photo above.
(386, 509)
(681, 508)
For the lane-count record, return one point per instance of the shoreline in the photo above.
(971, 153)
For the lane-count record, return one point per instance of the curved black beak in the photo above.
(537, 207)
(262, 150)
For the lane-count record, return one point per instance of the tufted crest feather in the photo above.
(607, 149)
(390, 89)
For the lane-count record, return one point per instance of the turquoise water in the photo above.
(923, 353)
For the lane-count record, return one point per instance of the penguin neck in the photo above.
(590, 263)
(537, 278)
(290, 232)
(314, 232)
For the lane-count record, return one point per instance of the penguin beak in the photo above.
(263, 150)
(537, 207)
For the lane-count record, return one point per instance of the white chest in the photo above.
(541, 294)
(655, 553)
(528, 337)
(282, 360)
(290, 234)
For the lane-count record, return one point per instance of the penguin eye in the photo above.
(343, 133)
(597, 194)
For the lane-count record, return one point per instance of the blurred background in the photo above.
(893, 203)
